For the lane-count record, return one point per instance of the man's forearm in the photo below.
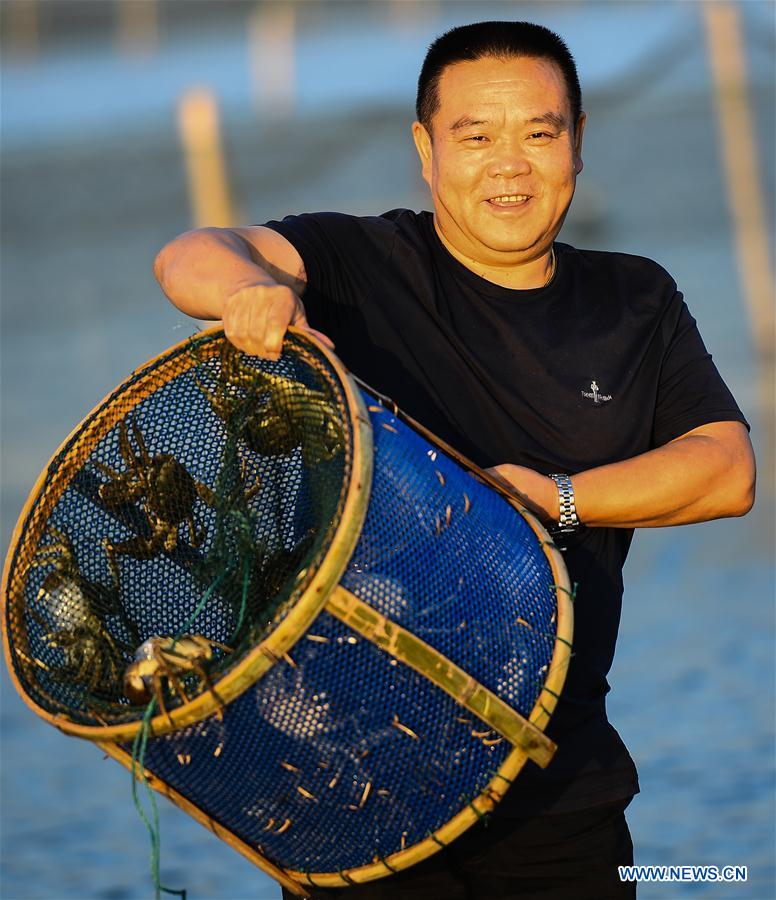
(708, 473)
(251, 278)
(199, 269)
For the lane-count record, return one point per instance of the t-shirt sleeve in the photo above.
(691, 391)
(342, 254)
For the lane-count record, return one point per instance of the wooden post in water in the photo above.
(22, 27)
(737, 135)
(137, 26)
(198, 123)
(751, 228)
(407, 15)
(272, 54)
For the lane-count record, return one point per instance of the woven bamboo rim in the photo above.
(272, 649)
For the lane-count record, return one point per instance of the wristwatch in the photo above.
(567, 520)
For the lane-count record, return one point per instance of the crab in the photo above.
(92, 654)
(92, 657)
(64, 588)
(168, 494)
(278, 414)
(161, 659)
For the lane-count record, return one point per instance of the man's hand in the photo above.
(256, 318)
(538, 492)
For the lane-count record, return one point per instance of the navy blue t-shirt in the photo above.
(603, 363)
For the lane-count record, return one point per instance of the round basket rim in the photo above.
(257, 661)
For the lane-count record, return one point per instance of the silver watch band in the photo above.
(567, 520)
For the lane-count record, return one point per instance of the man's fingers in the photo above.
(256, 318)
(280, 314)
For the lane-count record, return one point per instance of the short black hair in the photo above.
(502, 40)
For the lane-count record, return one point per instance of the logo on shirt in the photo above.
(595, 394)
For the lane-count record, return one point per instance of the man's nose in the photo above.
(508, 160)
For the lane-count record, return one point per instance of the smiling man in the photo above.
(500, 147)
(577, 376)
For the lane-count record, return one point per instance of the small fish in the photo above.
(408, 731)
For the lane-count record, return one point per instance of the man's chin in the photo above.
(505, 241)
(500, 250)
(489, 246)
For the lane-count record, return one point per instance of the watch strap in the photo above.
(567, 518)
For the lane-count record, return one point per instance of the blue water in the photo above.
(77, 90)
(93, 185)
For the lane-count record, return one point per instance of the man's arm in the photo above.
(250, 278)
(708, 473)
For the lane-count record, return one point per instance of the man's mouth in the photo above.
(509, 199)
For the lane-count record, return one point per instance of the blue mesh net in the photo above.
(348, 756)
(313, 766)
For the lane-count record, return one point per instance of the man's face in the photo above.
(502, 158)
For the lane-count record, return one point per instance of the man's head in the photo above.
(501, 40)
(499, 134)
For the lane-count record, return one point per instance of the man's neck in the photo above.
(535, 273)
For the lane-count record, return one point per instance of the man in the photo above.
(533, 359)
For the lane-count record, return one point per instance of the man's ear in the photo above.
(423, 145)
(579, 132)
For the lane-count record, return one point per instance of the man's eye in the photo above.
(478, 138)
(539, 135)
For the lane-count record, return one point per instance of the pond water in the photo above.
(93, 186)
